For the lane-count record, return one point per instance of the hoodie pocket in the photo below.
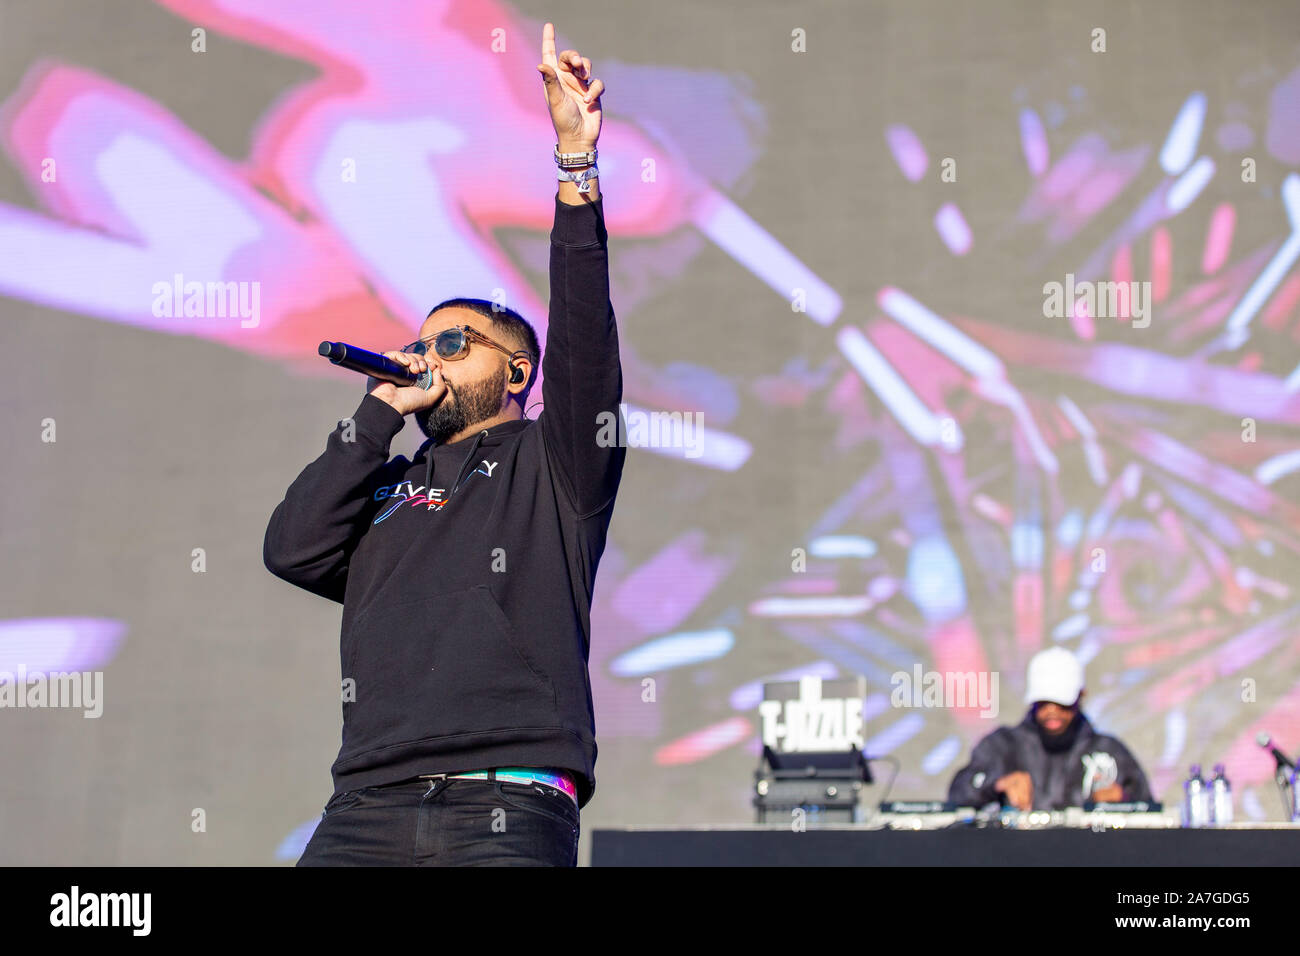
(443, 664)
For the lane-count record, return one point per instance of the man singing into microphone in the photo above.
(466, 574)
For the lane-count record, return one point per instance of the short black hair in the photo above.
(507, 323)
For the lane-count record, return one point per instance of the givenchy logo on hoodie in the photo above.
(434, 499)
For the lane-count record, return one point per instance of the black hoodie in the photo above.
(1059, 776)
(466, 574)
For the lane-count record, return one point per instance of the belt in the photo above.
(559, 779)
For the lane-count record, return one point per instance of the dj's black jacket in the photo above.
(1059, 778)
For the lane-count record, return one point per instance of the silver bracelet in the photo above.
(567, 176)
(572, 160)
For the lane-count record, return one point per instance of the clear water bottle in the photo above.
(1220, 797)
(1196, 799)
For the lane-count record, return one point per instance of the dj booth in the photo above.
(1241, 844)
(811, 810)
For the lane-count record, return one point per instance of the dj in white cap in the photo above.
(1054, 758)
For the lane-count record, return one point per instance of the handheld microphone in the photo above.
(1265, 741)
(373, 364)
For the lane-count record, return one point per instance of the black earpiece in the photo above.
(517, 373)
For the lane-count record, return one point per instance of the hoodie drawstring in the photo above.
(428, 467)
(473, 448)
(428, 470)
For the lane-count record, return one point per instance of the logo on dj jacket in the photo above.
(1099, 771)
(433, 499)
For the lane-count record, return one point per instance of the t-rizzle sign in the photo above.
(813, 715)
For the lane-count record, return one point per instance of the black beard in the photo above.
(463, 407)
(1061, 741)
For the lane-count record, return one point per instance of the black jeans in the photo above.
(447, 823)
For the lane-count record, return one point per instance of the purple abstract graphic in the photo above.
(1014, 483)
(917, 474)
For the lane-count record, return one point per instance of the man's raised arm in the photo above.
(582, 380)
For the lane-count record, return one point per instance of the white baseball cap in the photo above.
(1055, 675)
